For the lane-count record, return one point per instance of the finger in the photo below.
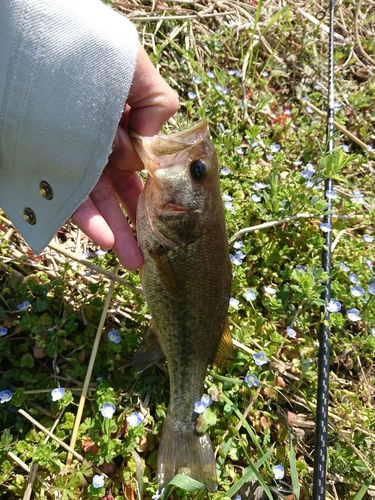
(152, 101)
(125, 246)
(124, 156)
(88, 218)
(128, 186)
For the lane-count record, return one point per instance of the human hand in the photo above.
(151, 102)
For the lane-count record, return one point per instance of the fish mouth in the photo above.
(161, 151)
(171, 209)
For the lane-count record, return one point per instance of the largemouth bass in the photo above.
(186, 278)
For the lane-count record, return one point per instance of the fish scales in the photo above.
(186, 278)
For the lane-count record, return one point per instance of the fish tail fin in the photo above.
(184, 450)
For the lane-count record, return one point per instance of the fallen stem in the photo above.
(346, 132)
(86, 383)
(50, 434)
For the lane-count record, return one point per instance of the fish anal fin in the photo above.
(148, 352)
(183, 450)
(225, 350)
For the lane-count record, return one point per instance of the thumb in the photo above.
(152, 101)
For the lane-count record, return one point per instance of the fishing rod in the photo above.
(320, 457)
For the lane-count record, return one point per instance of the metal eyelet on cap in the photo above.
(29, 216)
(45, 190)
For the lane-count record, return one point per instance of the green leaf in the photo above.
(248, 474)
(184, 482)
(27, 360)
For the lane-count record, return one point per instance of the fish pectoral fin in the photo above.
(225, 350)
(166, 272)
(148, 352)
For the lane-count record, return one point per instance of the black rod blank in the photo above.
(320, 458)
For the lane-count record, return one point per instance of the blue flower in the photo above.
(100, 252)
(85, 255)
(373, 331)
(206, 399)
(250, 295)
(98, 481)
(234, 302)
(199, 407)
(210, 74)
(238, 497)
(344, 267)
(227, 197)
(251, 380)
(334, 306)
(368, 238)
(287, 112)
(297, 163)
(346, 148)
(353, 314)
(256, 198)
(239, 151)
(265, 74)
(371, 289)
(307, 174)
(270, 290)
(25, 305)
(357, 291)
(309, 110)
(269, 157)
(337, 105)
(275, 148)
(353, 278)
(369, 147)
(368, 263)
(108, 410)
(259, 185)
(5, 396)
(331, 195)
(197, 79)
(225, 171)
(237, 261)
(325, 227)
(192, 95)
(358, 197)
(228, 205)
(221, 102)
(57, 393)
(317, 86)
(134, 419)
(238, 244)
(278, 472)
(238, 73)
(260, 358)
(301, 268)
(291, 333)
(158, 495)
(3, 331)
(114, 336)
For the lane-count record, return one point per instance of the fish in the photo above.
(186, 278)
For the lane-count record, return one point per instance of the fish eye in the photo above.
(198, 170)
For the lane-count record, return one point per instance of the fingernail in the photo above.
(116, 140)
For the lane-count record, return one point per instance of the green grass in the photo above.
(283, 57)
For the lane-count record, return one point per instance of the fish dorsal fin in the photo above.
(149, 351)
(225, 350)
